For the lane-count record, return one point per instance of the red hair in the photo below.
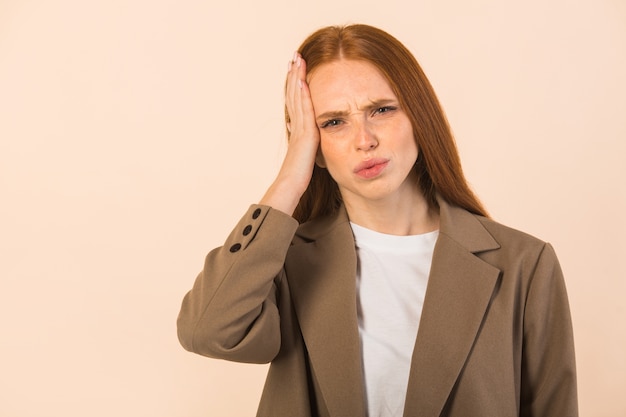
(438, 165)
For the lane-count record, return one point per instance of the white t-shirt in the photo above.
(392, 273)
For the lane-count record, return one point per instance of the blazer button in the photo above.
(235, 247)
(256, 213)
(247, 230)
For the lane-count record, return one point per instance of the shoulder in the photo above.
(517, 248)
(479, 234)
(508, 235)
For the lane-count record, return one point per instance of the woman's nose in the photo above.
(365, 138)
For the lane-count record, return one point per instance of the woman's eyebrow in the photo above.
(373, 104)
(333, 114)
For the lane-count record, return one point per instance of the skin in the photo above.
(348, 120)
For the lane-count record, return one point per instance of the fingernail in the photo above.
(299, 62)
(295, 56)
(300, 83)
(289, 64)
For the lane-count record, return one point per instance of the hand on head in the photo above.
(304, 138)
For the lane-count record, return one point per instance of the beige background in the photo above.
(134, 133)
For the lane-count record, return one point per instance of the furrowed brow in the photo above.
(333, 114)
(372, 105)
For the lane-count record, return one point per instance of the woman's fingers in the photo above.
(298, 99)
(304, 137)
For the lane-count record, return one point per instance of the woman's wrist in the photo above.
(282, 195)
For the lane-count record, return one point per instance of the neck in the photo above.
(400, 216)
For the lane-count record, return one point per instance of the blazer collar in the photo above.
(464, 228)
(455, 222)
(321, 269)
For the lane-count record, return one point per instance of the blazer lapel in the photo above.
(321, 276)
(459, 291)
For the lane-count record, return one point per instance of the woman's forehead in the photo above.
(339, 83)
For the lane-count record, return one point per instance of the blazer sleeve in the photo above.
(231, 312)
(548, 385)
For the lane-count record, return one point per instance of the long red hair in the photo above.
(438, 165)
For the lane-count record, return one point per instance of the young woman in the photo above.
(369, 275)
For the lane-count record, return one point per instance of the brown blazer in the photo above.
(495, 337)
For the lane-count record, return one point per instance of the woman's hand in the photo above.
(304, 138)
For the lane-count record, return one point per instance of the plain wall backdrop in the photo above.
(133, 134)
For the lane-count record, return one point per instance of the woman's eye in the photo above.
(384, 109)
(331, 123)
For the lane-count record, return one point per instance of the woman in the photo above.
(369, 275)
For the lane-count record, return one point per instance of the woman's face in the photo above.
(367, 141)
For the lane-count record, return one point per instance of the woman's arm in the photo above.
(231, 313)
(548, 362)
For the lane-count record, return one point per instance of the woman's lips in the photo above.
(371, 168)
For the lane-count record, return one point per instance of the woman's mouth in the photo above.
(371, 168)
